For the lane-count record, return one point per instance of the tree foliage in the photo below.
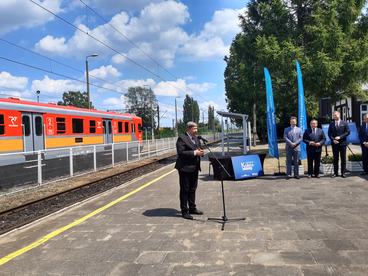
(190, 110)
(211, 117)
(142, 102)
(75, 98)
(329, 38)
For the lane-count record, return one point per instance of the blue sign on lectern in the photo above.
(246, 166)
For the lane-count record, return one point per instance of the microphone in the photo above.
(203, 139)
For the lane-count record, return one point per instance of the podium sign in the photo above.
(246, 166)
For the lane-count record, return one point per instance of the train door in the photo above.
(33, 134)
(107, 126)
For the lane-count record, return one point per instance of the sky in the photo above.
(174, 47)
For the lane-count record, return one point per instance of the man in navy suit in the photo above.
(188, 161)
(338, 131)
(315, 139)
(293, 137)
(363, 137)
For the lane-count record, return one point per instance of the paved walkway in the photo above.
(305, 227)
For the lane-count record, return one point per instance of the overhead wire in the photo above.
(110, 47)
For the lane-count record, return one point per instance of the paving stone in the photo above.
(151, 257)
(291, 228)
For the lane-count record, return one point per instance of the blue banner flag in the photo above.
(273, 149)
(302, 111)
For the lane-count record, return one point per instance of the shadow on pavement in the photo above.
(162, 212)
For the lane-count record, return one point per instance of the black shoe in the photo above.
(186, 216)
(195, 212)
(334, 175)
(296, 177)
(343, 176)
(364, 173)
(317, 176)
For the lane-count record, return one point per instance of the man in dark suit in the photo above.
(315, 139)
(363, 137)
(338, 131)
(188, 160)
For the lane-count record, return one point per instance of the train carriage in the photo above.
(29, 126)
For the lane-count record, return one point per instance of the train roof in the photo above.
(21, 105)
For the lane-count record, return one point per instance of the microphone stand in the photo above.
(224, 219)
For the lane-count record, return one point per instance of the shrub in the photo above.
(355, 157)
(327, 159)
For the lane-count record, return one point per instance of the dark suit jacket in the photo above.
(318, 137)
(186, 160)
(342, 131)
(363, 135)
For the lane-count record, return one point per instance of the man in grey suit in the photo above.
(293, 137)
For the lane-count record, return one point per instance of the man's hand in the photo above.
(337, 138)
(199, 152)
(335, 141)
(312, 143)
(317, 144)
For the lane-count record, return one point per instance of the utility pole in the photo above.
(158, 121)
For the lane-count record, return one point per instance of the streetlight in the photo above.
(87, 78)
(38, 95)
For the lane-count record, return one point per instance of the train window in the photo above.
(2, 127)
(60, 125)
(38, 126)
(77, 125)
(104, 126)
(27, 125)
(92, 126)
(133, 128)
(139, 127)
(120, 127)
(126, 126)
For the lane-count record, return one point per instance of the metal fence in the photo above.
(20, 170)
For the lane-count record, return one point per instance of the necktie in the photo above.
(337, 124)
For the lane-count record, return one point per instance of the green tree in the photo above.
(329, 38)
(75, 98)
(211, 117)
(190, 110)
(142, 102)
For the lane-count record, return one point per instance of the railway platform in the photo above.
(294, 227)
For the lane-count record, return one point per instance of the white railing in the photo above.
(22, 169)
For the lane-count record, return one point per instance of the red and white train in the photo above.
(29, 126)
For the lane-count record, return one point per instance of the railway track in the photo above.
(22, 215)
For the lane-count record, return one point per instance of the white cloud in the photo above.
(113, 6)
(105, 72)
(8, 81)
(52, 44)
(51, 86)
(113, 103)
(118, 59)
(181, 87)
(215, 38)
(155, 30)
(15, 14)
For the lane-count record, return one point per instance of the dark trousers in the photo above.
(314, 160)
(365, 158)
(188, 187)
(339, 150)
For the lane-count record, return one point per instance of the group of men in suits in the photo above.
(189, 153)
(314, 138)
